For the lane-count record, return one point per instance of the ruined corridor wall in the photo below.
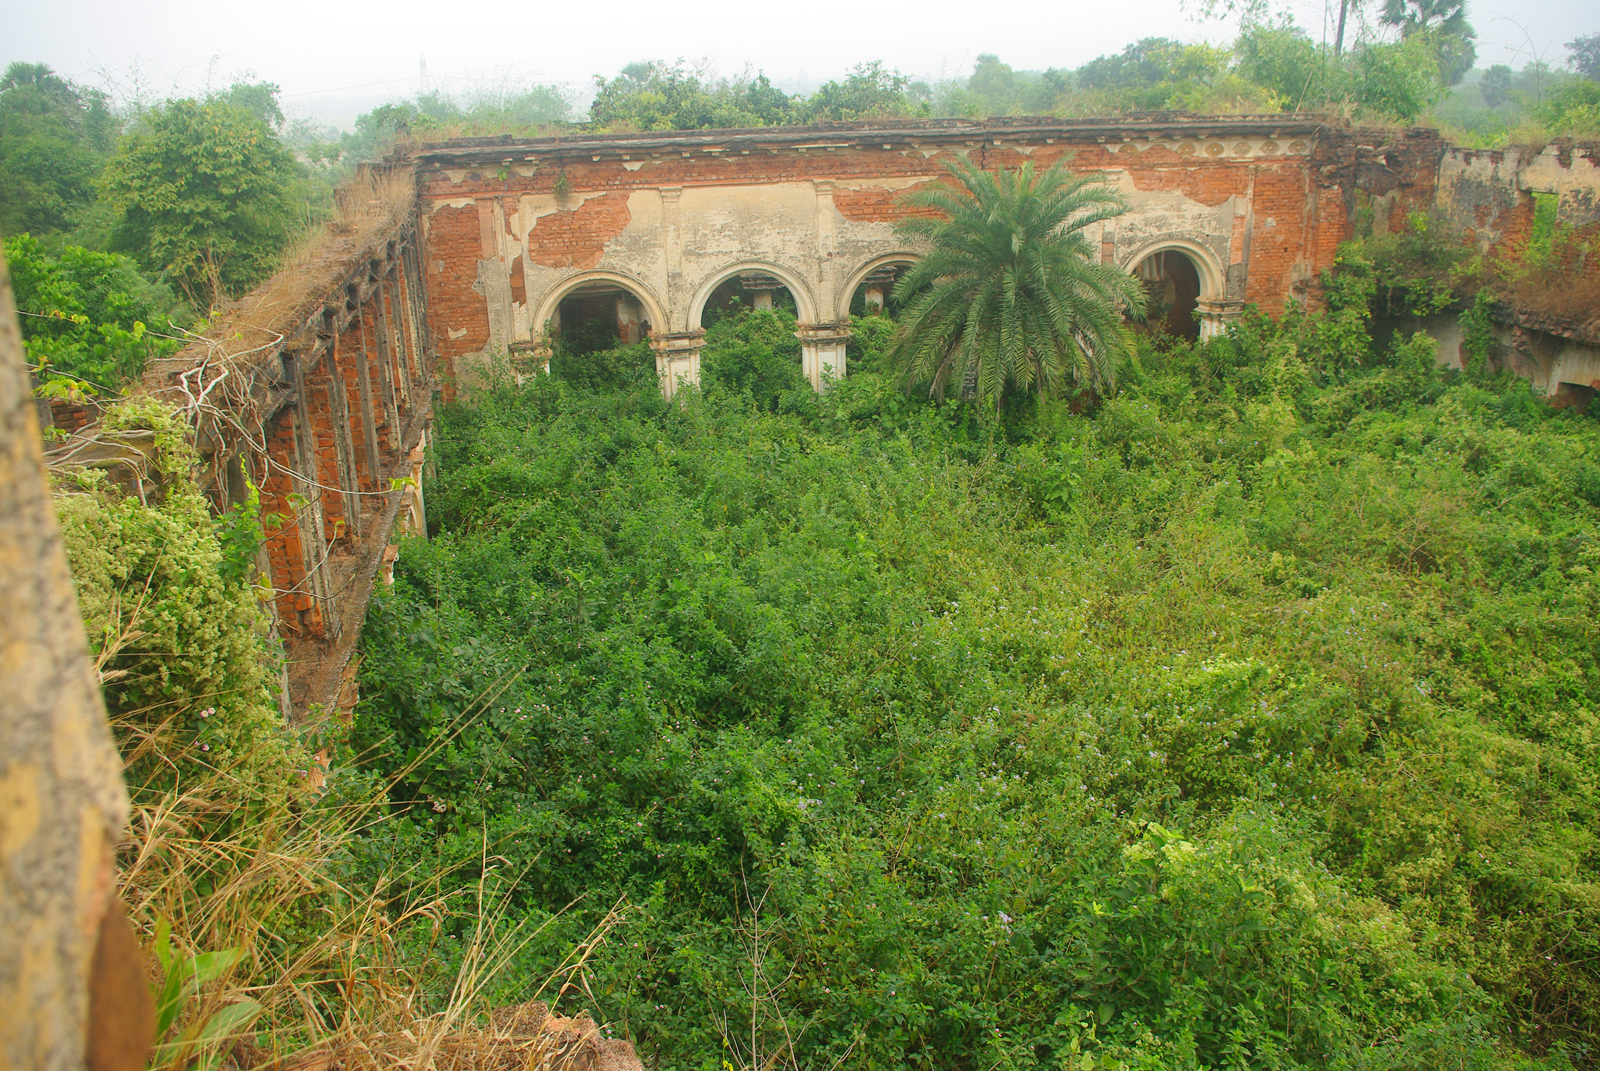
(1259, 204)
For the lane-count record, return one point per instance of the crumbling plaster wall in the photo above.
(1488, 193)
(510, 227)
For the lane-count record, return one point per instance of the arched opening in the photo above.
(874, 294)
(599, 316)
(599, 332)
(752, 284)
(1172, 288)
(753, 289)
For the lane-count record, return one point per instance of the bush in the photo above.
(89, 316)
(1242, 720)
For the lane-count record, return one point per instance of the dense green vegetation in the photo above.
(120, 224)
(1244, 718)
(89, 319)
(205, 195)
(1237, 712)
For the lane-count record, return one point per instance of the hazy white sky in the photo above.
(371, 49)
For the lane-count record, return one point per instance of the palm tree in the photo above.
(1012, 294)
(1445, 23)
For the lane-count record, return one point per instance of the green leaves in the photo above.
(205, 194)
(180, 994)
(54, 137)
(1243, 722)
(88, 316)
(1011, 296)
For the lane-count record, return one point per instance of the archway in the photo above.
(871, 288)
(591, 325)
(747, 290)
(624, 306)
(1182, 284)
(599, 316)
(753, 282)
(1172, 294)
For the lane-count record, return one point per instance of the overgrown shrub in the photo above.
(89, 316)
(1241, 720)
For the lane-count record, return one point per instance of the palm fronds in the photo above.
(1012, 295)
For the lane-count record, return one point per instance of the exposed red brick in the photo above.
(577, 238)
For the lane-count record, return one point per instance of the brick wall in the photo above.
(576, 238)
(456, 310)
(1295, 187)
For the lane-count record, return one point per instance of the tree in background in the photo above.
(674, 96)
(260, 99)
(1443, 23)
(205, 195)
(1012, 294)
(870, 91)
(1151, 72)
(1571, 109)
(1585, 58)
(1496, 85)
(54, 138)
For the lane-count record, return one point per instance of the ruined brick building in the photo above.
(1225, 211)
(319, 386)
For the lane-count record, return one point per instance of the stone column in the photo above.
(1214, 316)
(675, 295)
(760, 288)
(62, 801)
(827, 281)
(822, 352)
(877, 285)
(629, 316)
(678, 359)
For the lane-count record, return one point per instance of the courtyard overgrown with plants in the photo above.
(1148, 704)
(1243, 718)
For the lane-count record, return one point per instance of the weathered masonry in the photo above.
(317, 388)
(1224, 211)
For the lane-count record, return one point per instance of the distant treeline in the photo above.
(202, 194)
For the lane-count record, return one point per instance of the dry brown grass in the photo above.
(371, 208)
(348, 977)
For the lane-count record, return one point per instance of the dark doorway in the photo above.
(599, 317)
(1173, 288)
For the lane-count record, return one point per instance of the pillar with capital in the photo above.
(760, 287)
(822, 352)
(878, 285)
(1214, 316)
(678, 358)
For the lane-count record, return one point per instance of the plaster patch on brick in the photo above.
(494, 283)
(457, 332)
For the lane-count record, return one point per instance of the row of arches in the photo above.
(600, 308)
